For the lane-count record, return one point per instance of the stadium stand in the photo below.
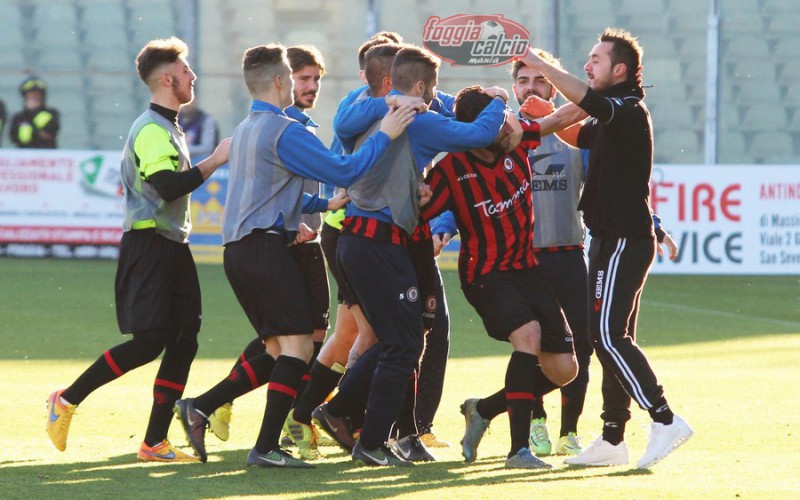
(85, 49)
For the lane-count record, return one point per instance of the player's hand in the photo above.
(304, 234)
(536, 107)
(516, 131)
(531, 59)
(440, 240)
(338, 201)
(496, 92)
(396, 121)
(671, 246)
(221, 152)
(425, 193)
(397, 100)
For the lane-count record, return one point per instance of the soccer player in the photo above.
(616, 209)
(157, 291)
(380, 217)
(271, 154)
(408, 444)
(558, 177)
(490, 192)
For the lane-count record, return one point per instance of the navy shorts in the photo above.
(311, 263)
(268, 284)
(156, 286)
(428, 278)
(329, 238)
(507, 300)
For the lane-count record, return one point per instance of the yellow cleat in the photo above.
(59, 417)
(304, 436)
(220, 421)
(431, 440)
(163, 452)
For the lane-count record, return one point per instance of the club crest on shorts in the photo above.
(412, 294)
(475, 40)
(430, 303)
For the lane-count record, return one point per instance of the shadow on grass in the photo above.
(225, 475)
(55, 309)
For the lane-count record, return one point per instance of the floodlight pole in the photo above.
(712, 84)
(372, 18)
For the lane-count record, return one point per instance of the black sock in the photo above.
(661, 413)
(244, 377)
(281, 393)
(307, 375)
(519, 397)
(317, 349)
(538, 408)
(114, 363)
(493, 405)
(354, 387)
(323, 381)
(573, 396)
(541, 384)
(168, 386)
(614, 432)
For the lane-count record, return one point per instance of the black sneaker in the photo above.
(336, 427)
(275, 458)
(412, 449)
(194, 425)
(381, 456)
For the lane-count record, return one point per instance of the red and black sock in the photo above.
(114, 363)
(323, 381)
(573, 396)
(169, 384)
(492, 406)
(519, 397)
(244, 377)
(538, 408)
(281, 393)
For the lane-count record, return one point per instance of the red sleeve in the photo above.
(531, 137)
(441, 199)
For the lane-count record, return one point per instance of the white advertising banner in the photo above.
(729, 219)
(59, 203)
(726, 219)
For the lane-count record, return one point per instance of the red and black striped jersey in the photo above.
(492, 204)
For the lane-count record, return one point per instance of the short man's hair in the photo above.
(413, 64)
(470, 101)
(625, 49)
(372, 42)
(261, 64)
(157, 53)
(391, 35)
(547, 56)
(301, 56)
(379, 64)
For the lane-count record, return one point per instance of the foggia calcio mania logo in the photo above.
(475, 40)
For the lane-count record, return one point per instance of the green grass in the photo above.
(725, 348)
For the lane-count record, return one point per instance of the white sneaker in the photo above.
(663, 440)
(600, 453)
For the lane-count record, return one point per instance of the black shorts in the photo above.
(156, 287)
(428, 278)
(311, 264)
(329, 238)
(507, 300)
(268, 284)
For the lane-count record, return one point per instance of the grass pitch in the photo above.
(725, 348)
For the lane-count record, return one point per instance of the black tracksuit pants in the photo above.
(618, 269)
